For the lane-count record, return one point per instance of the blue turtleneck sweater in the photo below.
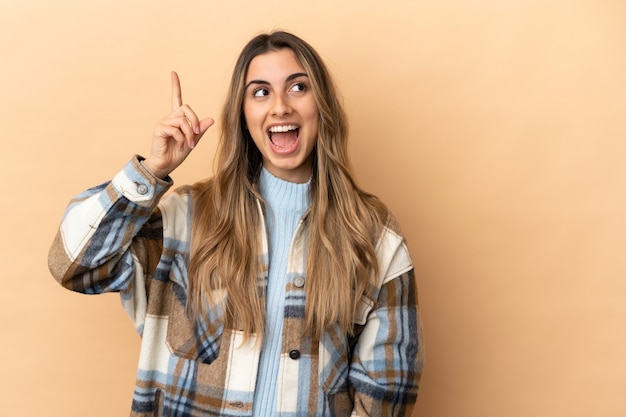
(285, 204)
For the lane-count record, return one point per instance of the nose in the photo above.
(280, 106)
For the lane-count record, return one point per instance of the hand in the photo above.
(175, 135)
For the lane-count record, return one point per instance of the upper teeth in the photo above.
(276, 129)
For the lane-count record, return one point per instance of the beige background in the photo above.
(494, 129)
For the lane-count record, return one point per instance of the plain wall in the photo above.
(495, 130)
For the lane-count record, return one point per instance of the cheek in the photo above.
(312, 113)
(249, 111)
(254, 125)
(315, 121)
(254, 119)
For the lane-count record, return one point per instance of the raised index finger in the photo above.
(177, 98)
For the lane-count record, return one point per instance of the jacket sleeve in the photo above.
(388, 356)
(110, 233)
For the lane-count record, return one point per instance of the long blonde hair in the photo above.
(342, 223)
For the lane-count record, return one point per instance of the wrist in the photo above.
(154, 170)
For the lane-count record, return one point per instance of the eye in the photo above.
(299, 87)
(260, 92)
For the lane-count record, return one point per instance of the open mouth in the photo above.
(285, 137)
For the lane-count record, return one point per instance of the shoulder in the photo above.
(391, 248)
(392, 251)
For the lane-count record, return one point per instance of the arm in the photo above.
(111, 236)
(92, 252)
(388, 357)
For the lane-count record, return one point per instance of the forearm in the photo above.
(91, 252)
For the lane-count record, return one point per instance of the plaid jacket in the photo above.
(122, 237)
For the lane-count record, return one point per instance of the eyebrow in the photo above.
(290, 78)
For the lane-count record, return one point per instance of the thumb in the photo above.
(205, 124)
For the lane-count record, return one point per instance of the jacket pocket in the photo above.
(188, 339)
(337, 350)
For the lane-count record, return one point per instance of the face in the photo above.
(281, 114)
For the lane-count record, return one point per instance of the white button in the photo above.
(298, 282)
(142, 189)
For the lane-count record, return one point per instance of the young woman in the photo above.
(275, 288)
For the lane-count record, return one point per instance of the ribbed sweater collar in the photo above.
(284, 195)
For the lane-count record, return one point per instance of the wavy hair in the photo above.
(226, 267)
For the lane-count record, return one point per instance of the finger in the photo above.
(192, 118)
(177, 97)
(204, 125)
(179, 122)
(184, 126)
(173, 132)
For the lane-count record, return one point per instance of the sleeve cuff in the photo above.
(139, 185)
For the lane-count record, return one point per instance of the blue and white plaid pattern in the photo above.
(122, 236)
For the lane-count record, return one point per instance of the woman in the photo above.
(275, 288)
